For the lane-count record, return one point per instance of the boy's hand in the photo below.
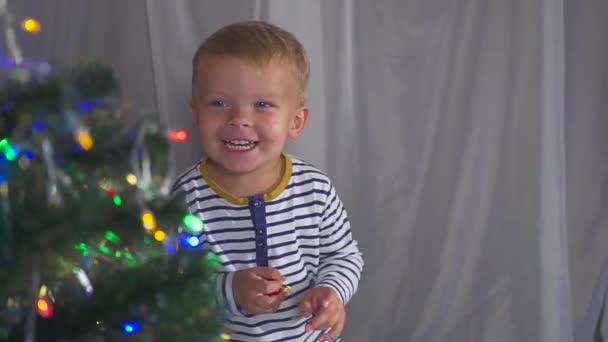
(327, 310)
(252, 288)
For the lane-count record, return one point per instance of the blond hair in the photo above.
(258, 42)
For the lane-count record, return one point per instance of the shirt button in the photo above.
(260, 231)
(257, 204)
(260, 244)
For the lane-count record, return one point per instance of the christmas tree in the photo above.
(92, 244)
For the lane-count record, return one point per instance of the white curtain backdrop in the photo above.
(468, 140)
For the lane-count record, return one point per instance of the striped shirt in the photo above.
(300, 228)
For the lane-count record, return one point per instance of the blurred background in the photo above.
(468, 140)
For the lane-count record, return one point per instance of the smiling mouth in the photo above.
(240, 145)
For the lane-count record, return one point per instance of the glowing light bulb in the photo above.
(160, 236)
(85, 139)
(31, 25)
(131, 327)
(149, 220)
(179, 135)
(193, 241)
(117, 200)
(44, 307)
(194, 223)
(131, 179)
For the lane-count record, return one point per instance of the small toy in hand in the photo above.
(284, 288)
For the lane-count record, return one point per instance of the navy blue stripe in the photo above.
(308, 263)
(330, 215)
(301, 163)
(343, 223)
(313, 338)
(297, 195)
(336, 285)
(294, 262)
(258, 324)
(182, 183)
(304, 172)
(293, 208)
(274, 257)
(226, 219)
(328, 255)
(268, 332)
(238, 262)
(293, 219)
(241, 251)
(184, 174)
(308, 181)
(358, 267)
(202, 199)
(228, 230)
(356, 272)
(334, 231)
(329, 265)
(293, 231)
(198, 188)
(350, 282)
(324, 245)
(226, 207)
(331, 203)
(218, 242)
(334, 223)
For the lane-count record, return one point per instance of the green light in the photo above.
(104, 250)
(117, 200)
(118, 254)
(3, 144)
(83, 248)
(10, 153)
(194, 223)
(75, 270)
(213, 259)
(129, 256)
(110, 235)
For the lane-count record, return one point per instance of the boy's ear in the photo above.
(299, 122)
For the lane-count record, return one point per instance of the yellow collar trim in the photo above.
(244, 200)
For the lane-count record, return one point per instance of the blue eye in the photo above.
(263, 104)
(218, 103)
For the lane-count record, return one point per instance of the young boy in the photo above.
(289, 262)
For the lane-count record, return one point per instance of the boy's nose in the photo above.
(240, 117)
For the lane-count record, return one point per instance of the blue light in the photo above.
(189, 240)
(29, 154)
(131, 327)
(39, 125)
(86, 106)
(194, 241)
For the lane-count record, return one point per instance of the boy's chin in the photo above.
(243, 168)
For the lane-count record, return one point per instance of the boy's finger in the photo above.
(263, 287)
(321, 320)
(335, 331)
(275, 301)
(269, 273)
(305, 306)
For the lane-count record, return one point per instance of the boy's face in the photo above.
(245, 113)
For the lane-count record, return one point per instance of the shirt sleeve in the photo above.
(341, 262)
(226, 303)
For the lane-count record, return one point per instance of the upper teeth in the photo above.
(239, 142)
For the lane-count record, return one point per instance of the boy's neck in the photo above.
(244, 185)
